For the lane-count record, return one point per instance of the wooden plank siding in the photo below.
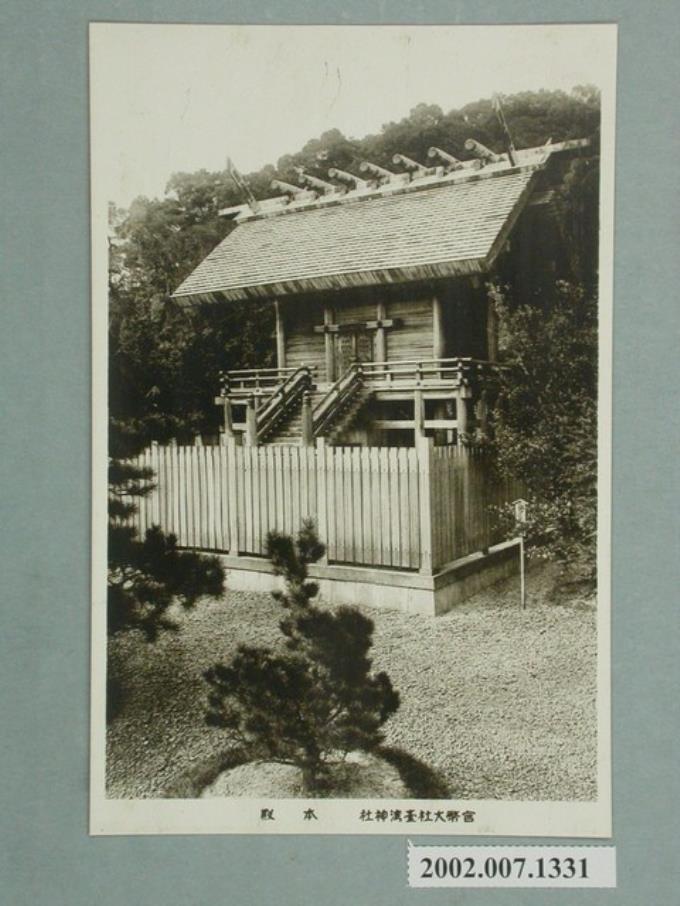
(303, 346)
(411, 338)
(414, 337)
(403, 508)
(355, 312)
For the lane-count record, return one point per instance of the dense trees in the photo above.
(545, 421)
(545, 417)
(164, 359)
(533, 117)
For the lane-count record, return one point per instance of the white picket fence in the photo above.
(405, 508)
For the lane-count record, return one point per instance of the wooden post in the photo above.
(419, 414)
(482, 408)
(380, 340)
(425, 452)
(437, 329)
(461, 413)
(322, 494)
(307, 427)
(232, 497)
(251, 423)
(155, 494)
(328, 344)
(491, 330)
(280, 336)
(225, 402)
(228, 420)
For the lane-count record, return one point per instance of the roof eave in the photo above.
(511, 220)
(330, 282)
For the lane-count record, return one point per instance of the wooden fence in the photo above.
(405, 508)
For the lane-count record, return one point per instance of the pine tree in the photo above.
(315, 701)
(146, 575)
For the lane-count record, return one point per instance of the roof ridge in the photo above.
(530, 159)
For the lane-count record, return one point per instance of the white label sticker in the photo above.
(511, 866)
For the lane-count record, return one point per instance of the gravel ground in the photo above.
(499, 701)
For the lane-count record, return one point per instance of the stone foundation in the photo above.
(410, 592)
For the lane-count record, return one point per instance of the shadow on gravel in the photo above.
(193, 781)
(422, 781)
(115, 697)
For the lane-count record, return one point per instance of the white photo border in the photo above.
(335, 816)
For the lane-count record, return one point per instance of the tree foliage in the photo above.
(545, 420)
(317, 699)
(533, 117)
(165, 359)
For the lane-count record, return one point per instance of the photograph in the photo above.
(352, 301)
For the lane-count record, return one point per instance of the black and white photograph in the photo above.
(352, 308)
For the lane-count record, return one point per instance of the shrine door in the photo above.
(352, 346)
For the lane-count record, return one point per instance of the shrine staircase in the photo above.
(345, 417)
(333, 411)
(288, 429)
(340, 406)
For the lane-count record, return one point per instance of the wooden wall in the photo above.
(414, 337)
(303, 345)
(464, 314)
(354, 310)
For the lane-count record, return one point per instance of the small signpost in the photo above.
(520, 507)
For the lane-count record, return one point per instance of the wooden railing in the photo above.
(409, 374)
(253, 381)
(452, 372)
(283, 397)
(340, 395)
(274, 389)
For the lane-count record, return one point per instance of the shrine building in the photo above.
(387, 360)
(384, 327)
